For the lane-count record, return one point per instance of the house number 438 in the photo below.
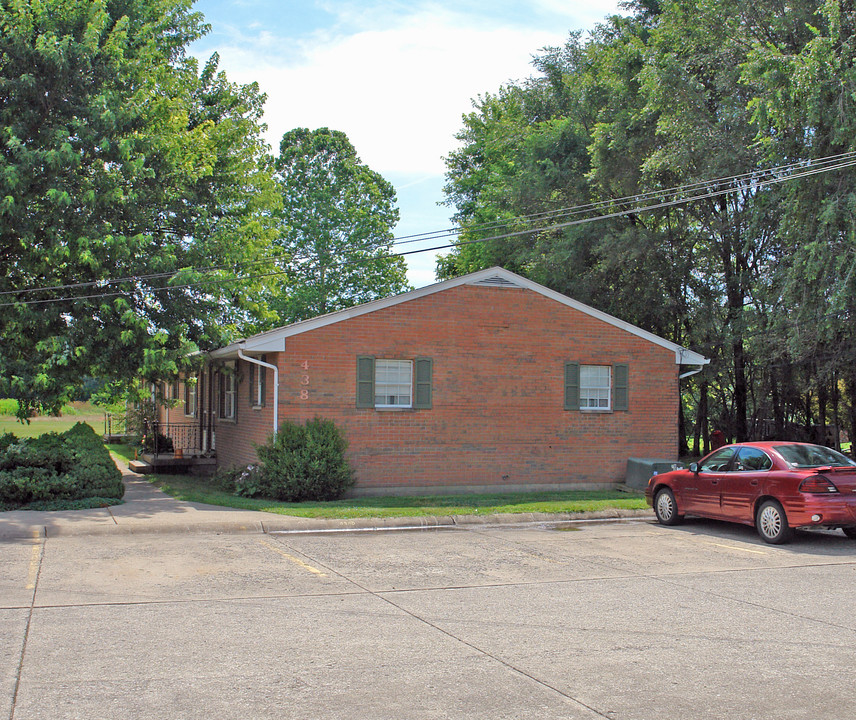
(304, 380)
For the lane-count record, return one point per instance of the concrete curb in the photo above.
(147, 510)
(277, 524)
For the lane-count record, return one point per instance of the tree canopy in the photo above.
(683, 127)
(335, 227)
(134, 192)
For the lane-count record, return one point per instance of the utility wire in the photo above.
(825, 164)
(838, 162)
(833, 161)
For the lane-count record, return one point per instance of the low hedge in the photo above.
(57, 466)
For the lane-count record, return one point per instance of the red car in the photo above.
(775, 486)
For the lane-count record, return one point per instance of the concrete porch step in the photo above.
(140, 466)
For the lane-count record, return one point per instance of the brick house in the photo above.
(486, 381)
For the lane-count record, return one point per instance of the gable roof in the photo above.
(274, 340)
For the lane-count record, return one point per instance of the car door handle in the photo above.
(753, 482)
(714, 482)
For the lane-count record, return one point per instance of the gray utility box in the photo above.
(640, 470)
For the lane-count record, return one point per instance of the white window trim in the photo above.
(189, 399)
(229, 397)
(382, 406)
(584, 388)
(258, 389)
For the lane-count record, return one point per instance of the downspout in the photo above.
(256, 361)
(680, 359)
(691, 372)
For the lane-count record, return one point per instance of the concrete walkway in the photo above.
(147, 509)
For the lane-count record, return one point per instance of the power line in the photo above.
(825, 164)
(755, 181)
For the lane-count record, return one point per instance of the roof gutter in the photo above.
(703, 361)
(256, 361)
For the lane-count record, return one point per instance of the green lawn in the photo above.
(195, 489)
(70, 416)
(204, 490)
(41, 425)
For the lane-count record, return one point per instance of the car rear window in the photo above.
(807, 456)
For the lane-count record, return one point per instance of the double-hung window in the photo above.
(258, 383)
(393, 384)
(190, 397)
(226, 392)
(601, 388)
(595, 387)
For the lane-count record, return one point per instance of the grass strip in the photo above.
(200, 490)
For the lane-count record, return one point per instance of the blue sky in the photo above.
(395, 76)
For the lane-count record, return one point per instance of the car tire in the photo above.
(665, 507)
(772, 523)
(850, 532)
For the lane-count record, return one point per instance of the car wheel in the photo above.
(772, 523)
(850, 532)
(665, 508)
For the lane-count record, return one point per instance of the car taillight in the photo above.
(818, 484)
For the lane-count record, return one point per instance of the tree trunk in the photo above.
(850, 386)
(778, 411)
(807, 409)
(701, 422)
(822, 397)
(836, 414)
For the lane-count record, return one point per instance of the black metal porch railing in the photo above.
(178, 439)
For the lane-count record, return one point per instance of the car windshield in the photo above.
(808, 456)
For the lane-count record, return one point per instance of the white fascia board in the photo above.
(274, 340)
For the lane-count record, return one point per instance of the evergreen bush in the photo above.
(57, 466)
(301, 462)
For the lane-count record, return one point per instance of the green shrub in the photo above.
(51, 450)
(301, 462)
(159, 443)
(6, 439)
(23, 485)
(72, 465)
(250, 481)
(227, 479)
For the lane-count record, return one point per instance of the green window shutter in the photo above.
(251, 389)
(365, 381)
(423, 371)
(620, 387)
(572, 386)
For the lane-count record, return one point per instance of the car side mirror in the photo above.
(694, 468)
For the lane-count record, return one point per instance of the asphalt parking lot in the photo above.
(625, 620)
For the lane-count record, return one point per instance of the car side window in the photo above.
(718, 461)
(753, 459)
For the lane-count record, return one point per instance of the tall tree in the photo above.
(806, 68)
(706, 95)
(335, 227)
(124, 171)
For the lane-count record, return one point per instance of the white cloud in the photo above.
(396, 78)
(398, 93)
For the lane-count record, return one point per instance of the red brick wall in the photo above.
(498, 395)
